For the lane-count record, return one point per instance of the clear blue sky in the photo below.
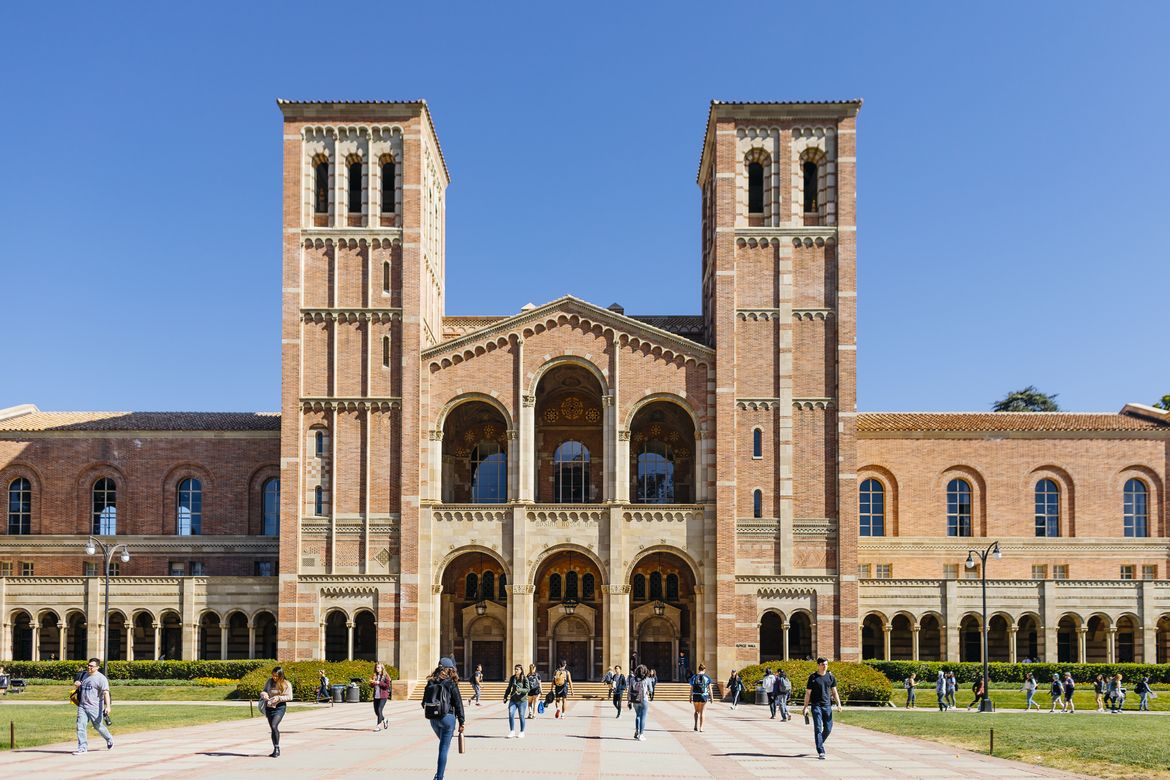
(1012, 159)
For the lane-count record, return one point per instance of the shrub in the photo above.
(969, 672)
(136, 670)
(855, 681)
(303, 676)
(214, 682)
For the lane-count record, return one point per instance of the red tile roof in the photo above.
(992, 422)
(141, 421)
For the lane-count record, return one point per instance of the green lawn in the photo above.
(131, 693)
(1013, 698)
(1113, 746)
(44, 724)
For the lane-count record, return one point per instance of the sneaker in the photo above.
(109, 744)
(821, 756)
(641, 737)
(79, 751)
(521, 735)
(511, 735)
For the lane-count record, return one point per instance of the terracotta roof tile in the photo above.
(142, 421)
(991, 422)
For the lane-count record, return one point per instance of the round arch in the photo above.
(453, 555)
(575, 360)
(902, 636)
(465, 398)
(1029, 637)
(889, 483)
(931, 637)
(534, 570)
(683, 555)
(660, 397)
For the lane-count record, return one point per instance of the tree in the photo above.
(1164, 403)
(1027, 400)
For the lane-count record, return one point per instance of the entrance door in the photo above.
(489, 654)
(577, 654)
(658, 656)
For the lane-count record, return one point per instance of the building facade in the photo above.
(572, 482)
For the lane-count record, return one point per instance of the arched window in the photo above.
(19, 506)
(571, 590)
(487, 586)
(757, 503)
(810, 186)
(319, 443)
(672, 587)
(958, 508)
(588, 585)
(755, 188)
(1136, 508)
(489, 474)
(386, 276)
(355, 188)
(471, 587)
(656, 473)
(318, 500)
(388, 205)
(1047, 508)
(189, 510)
(321, 188)
(571, 473)
(656, 585)
(554, 587)
(385, 351)
(270, 522)
(105, 507)
(639, 587)
(757, 443)
(503, 587)
(872, 508)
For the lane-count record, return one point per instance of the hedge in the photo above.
(138, 670)
(855, 681)
(1013, 673)
(304, 678)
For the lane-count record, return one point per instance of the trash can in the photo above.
(338, 693)
(761, 695)
(353, 693)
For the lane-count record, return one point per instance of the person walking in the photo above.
(1068, 689)
(700, 694)
(619, 689)
(978, 690)
(1030, 693)
(734, 688)
(819, 693)
(952, 689)
(1100, 687)
(562, 688)
(1142, 689)
(769, 684)
(277, 693)
(911, 691)
(323, 687)
(940, 690)
(1116, 694)
(534, 690)
(516, 697)
(1056, 690)
(476, 682)
(783, 694)
(380, 682)
(653, 678)
(443, 707)
(683, 667)
(93, 706)
(608, 680)
(3, 682)
(638, 699)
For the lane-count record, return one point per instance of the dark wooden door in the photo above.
(577, 654)
(657, 655)
(490, 655)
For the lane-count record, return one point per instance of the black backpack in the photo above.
(436, 700)
(637, 686)
(699, 684)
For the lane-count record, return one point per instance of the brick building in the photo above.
(569, 481)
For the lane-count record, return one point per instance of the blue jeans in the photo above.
(1029, 701)
(84, 719)
(444, 729)
(782, 703)
(735, 696)
(773, 702)
(517, 709)
(640, 710)
(822, 717)
(1144, 704)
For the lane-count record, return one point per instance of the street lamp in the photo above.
(481, 605)
(985, 704)
(108, 550)
(569, 605)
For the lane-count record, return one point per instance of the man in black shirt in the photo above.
(819, 692)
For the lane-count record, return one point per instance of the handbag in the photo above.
(75, 697)
(540, 707)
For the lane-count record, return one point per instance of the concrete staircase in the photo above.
(588, 691)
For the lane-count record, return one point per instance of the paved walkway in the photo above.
(589, 743)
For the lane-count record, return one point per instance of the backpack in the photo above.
(637, 694)
(783, 685)
(436, 700)
(559, 678)
(699, 684)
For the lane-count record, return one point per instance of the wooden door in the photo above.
(577, 654)
(490, 655)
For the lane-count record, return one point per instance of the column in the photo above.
(223, 640)
(349, 640)
(621, 455)
(6, 641)
(612, 455)
(372, 163)
(157, 639)
(1012, 632)
(700, 653)
(701, 466)
(129, 626)
(339, 200)
(36, 642)
(321, 638)
(63, 637)
(887, 629)
(520, 604)
(527, 446)
(784, 638)
(434, 453)
(251, 640)
(1111, 646)
(617, 468)
(914, 649)
(1082, 634)
(617, 641)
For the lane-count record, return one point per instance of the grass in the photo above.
(45, 724)
(180, 692)
(1012, 698)
(1112, 746)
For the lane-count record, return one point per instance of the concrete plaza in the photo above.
(590, 743)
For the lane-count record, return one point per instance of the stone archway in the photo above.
(1029, 639)
(264, 626)
(336, 636)
(365, 636)
(662, 581)
(210, 638)
(143, 642)
(22, 636)
(970, 639)
(569, 583)
(902, 638)
(171, 636)
(873, 643)
(472, 580)
(49, 643)
(237, 635)
(656, 639)
(662, 455)
(486, 642)
(475, 455)
(801, 639)
(930, 639)
(771, 637)
(570, 443)
(78, 636)
(573, 641)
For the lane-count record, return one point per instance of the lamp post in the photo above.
(985, 704)
(108, 550)
(569, 605)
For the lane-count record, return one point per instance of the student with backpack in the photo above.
(476, 682)
(534, 691)
(769, 685)
(783, 694)
(1056, 690)
(443, 706)
(700, 694)
(562, 688)
(516, 697)
(940, 691)
(734, 688)
(1142, 689)
(638, 699)
(608, 680)
(910, 684)
(952, 689)
(618, 690)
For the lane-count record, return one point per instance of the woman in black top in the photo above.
(445, 727)
(516, 697)
(534, 689)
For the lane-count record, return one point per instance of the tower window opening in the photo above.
(355, 188)
(388, 173)
(755, 188)
(810, 187)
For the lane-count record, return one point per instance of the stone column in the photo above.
(1111, 645)
(62, 640)
(349, 640)
(1149, 621)
(621, 450)
(223, 640)
(251, 641)
(129, 626)
(321, 638)
(157, 639)
(1049, 618)
(36, 642)
(700, 653)
(523, 620)
(609, 436)
(951, 618)
(886, 631)
(6, 641)
(915, 651)
(527, 447)
(617, 641)
(784, 637)
(1082, 634)
(1012, 632)
(434, 460)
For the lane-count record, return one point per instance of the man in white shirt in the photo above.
(769, 684)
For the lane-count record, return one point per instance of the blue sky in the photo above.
(1012, 179)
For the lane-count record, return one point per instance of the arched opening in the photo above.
(873, 640)
(77, 644)
(171, 641)
(901, 638)
(998, 643)
(50, 637)
(1129, 649)
(143, 637)
(1029, 640)
(669, 596)
(1067, 649)
(1097, 640)
(662, 463)
(264, 624)
(468, 589)
(800, 636)
(22, 637)
(365, 636)
(570, 445)
(210, 638)
(475, 455)
(116, 638)
(336, 636)
(1162, 643)
(237, 643)
(930, 636)
(755, 173)
(970, 639)
(321, 187)
(811, 181)
(771, 637)
(579, 642)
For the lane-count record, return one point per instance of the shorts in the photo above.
(699, 697)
